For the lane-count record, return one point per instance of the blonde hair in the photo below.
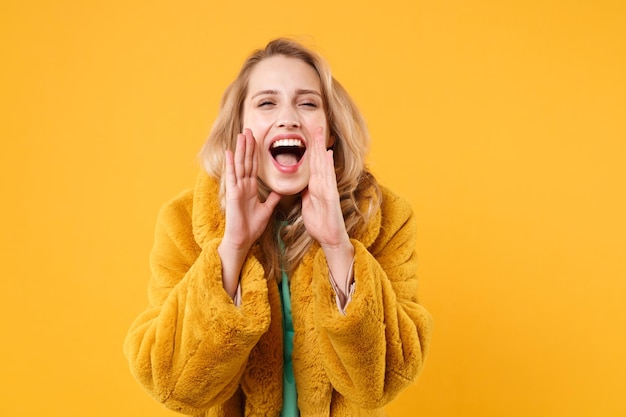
(351, 140)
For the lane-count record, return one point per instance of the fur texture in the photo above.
(199, 354)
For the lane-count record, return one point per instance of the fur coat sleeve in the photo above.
(378, 348)
(189, 348)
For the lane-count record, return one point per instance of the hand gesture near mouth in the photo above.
(246, 215)
(321, 212)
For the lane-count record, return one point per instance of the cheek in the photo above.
(313, 122)
(257, 120)
(258, 125)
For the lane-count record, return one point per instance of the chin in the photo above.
(289, 187)
(289, 191)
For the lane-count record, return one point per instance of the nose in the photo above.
(288, 118)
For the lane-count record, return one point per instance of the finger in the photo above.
(255, 160)
(229, 169)
(331, 176)
(312, 156)
(272, 200)
(320, 144)
(250, 153)
(239, 156)
(315, 163)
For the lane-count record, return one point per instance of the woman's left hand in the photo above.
(321, 211)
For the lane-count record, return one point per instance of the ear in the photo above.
(331, 142)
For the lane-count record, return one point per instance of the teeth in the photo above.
(288, 142)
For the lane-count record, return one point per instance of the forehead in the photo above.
(283, 73)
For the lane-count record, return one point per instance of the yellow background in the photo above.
(503, 123)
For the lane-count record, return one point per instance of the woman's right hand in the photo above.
(246, 215)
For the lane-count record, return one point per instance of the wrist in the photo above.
(339, 260)
(342, 248)
(232, 258)
(233, 247)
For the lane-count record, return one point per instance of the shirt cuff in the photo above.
(237, 297)
(348, 291)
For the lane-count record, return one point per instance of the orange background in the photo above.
(504, 124)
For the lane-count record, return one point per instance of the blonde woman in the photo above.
(285, 282)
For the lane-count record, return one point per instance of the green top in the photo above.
(290, 394)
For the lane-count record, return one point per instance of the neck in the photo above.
(287, 202)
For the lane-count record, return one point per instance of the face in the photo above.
(284, 108)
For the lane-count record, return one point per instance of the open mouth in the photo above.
(287, 152)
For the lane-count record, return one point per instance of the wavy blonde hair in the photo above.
(351, 141)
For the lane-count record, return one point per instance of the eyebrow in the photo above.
(299, 92)
(304, 91)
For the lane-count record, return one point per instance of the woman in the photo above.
(284, 282)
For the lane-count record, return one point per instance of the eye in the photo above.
(265, 103)
(309, 104)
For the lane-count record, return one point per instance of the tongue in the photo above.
(286, 159)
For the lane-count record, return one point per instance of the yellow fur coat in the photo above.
(196, 352)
